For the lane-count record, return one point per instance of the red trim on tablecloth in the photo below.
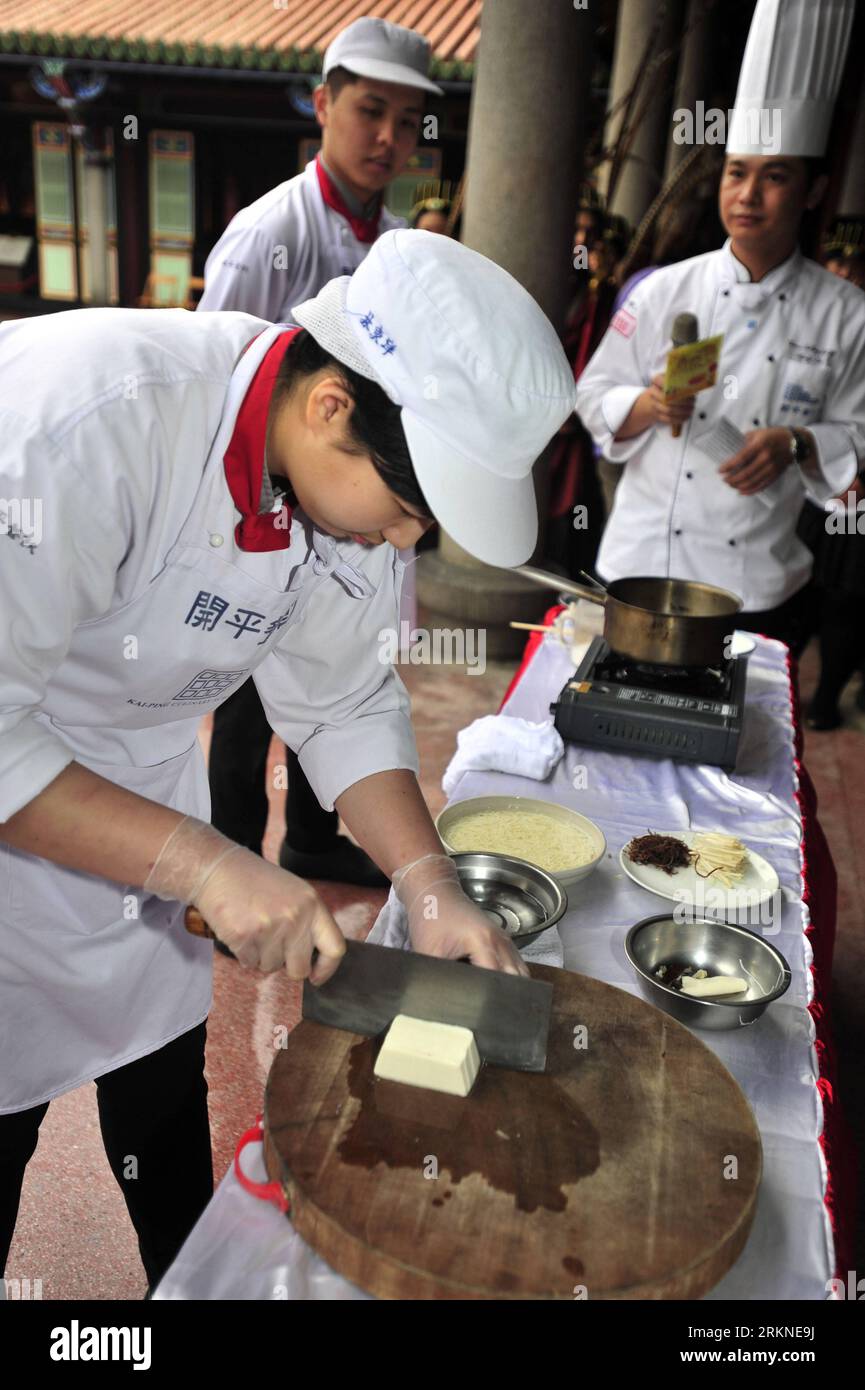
(819, 893)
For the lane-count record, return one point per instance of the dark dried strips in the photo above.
(659, 852)
(672, 975)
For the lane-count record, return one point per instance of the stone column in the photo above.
(524, 157)
(694, 78)
(641, 175)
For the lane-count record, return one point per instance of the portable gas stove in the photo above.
(693, 714)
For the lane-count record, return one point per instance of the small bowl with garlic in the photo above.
(707, 974)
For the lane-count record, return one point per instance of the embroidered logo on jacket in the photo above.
(796, 392)
(624, 323)
(809, 353)
(207, 688)
(208, 609)
(209, 685)
(376, 333)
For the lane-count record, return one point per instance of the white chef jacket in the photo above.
(793, 354)
(282, 249)
(128, 612)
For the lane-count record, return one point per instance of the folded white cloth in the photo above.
(501, 743)
(391, 929)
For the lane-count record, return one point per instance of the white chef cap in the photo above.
(791, 73)
(476, 367)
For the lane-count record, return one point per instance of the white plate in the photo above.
(757, 885)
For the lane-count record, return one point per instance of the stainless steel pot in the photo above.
(670, 622)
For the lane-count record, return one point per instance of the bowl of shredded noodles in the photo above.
(563, 843)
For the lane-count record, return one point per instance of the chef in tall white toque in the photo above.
(792, 366)
(149, 563)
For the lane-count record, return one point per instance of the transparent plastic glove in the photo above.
(442, 921)
(268, 917)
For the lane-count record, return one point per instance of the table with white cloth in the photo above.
(244, 1248)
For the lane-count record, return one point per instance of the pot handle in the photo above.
(560, 583)
(266, 1191)
(595, 583)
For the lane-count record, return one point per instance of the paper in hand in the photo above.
(723, 442)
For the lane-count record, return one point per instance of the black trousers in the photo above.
(791, 622)
(153, 1117)
(237, 771)
(842, 644)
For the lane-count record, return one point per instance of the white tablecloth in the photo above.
(243, 1248)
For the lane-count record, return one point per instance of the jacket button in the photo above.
(701, 415)
(731, 542)
(756, 422)
(771, 357)
(678, 531)
(782, 296)
(216, 539)
(689, 475)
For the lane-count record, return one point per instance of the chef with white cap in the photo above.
(292, 240)
(273, 255)
(166, 567)
(792, 367)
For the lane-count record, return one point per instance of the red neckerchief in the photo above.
(364, 228)
(244, 458)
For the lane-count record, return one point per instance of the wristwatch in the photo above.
(799, 448)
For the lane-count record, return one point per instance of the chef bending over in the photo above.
(223, 497)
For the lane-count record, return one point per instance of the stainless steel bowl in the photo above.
(721, 948)
(519, 897)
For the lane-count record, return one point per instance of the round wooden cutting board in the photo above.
(628, 1170)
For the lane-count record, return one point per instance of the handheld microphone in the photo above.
(685, 331)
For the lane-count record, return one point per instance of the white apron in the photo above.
(94, 974)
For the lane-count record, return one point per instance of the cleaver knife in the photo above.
(508, 1014)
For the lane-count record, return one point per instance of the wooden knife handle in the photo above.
(195, 923)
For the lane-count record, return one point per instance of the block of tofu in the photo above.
(714, 984)
(439, 1056)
